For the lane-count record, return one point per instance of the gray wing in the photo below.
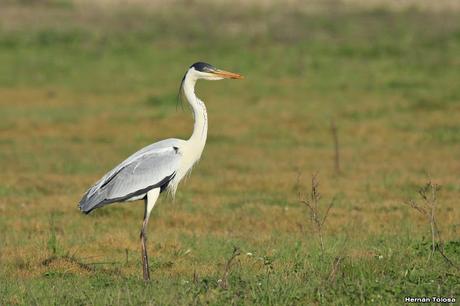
(151, 167)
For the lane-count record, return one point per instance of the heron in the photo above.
(160, 166)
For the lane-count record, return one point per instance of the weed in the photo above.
(429, 195)
(317, 217)
(53, 244)
(228, 266)
(335, 137)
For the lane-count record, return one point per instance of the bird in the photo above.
(160, 166)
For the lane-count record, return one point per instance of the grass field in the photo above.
(81, 89)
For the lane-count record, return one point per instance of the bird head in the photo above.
(206, 71)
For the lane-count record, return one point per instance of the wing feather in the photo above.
(151, 167)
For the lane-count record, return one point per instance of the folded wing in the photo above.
(151, 167)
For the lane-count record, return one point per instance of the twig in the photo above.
(335, 137)
(67, 258)
(428, 193)
(335, 268)
(297, 184)
(196, 278)
(313, 206)
(228, 265)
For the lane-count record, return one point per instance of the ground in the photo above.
(82, 87)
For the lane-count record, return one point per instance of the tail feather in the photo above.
(90, 202)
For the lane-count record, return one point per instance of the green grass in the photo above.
(81, 91)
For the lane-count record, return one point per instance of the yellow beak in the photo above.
(227, 74)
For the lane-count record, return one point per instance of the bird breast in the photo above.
(191, 153)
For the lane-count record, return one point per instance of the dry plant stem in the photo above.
(431, 220)
(430, 202)
(196, 278)
(228, 265)
(335, 136)
(433, 245)
(297, 185)
(335, 268)
(315, 216)
(429, 195)
(70, 259)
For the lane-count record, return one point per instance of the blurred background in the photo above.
(83, 84)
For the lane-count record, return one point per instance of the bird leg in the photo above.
(145, 258)
(149, 200)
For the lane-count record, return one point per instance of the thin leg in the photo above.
(150, 201)
(145, 258)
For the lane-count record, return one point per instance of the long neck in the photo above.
(200, 128)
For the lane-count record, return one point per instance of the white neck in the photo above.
(200, 128)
